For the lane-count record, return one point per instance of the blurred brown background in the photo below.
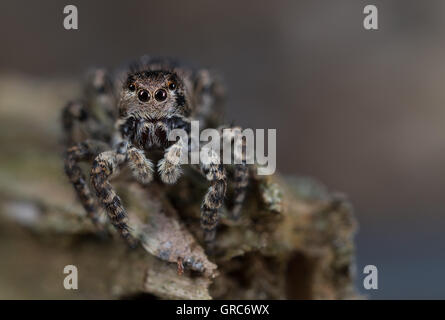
(362, 111)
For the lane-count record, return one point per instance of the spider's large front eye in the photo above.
(161, 95)
(131, 87)
(143, 95)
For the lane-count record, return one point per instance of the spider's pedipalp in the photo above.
(169, 167)
(141, 167)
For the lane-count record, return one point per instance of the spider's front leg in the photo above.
(84, 151)
(213, 200)
(105, 165)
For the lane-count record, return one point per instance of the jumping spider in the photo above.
(125, 118)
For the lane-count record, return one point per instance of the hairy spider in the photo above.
(125, 118)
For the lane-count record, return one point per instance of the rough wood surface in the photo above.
(295, 239)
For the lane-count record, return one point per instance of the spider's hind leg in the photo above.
(240, 183)
(93, 116)
(74, 116)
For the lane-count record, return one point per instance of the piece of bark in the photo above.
(163, 234)
(294, 240)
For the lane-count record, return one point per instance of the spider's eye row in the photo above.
(131, 87)
(172, 85)
(161, 95)
(143, 95)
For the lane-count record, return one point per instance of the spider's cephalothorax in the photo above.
(151, 104)
(150, 98)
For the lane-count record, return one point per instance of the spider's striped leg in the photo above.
(241, 170)
(105, 165)
(84, 151)
(241, 181)
(73, 115)
(215, 173)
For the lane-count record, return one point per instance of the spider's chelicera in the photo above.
(126, 118)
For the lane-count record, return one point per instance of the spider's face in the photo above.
(153, 95)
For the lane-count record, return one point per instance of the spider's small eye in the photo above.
(161, 95)
(131, 87)
(143, 95)
(172, 85)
